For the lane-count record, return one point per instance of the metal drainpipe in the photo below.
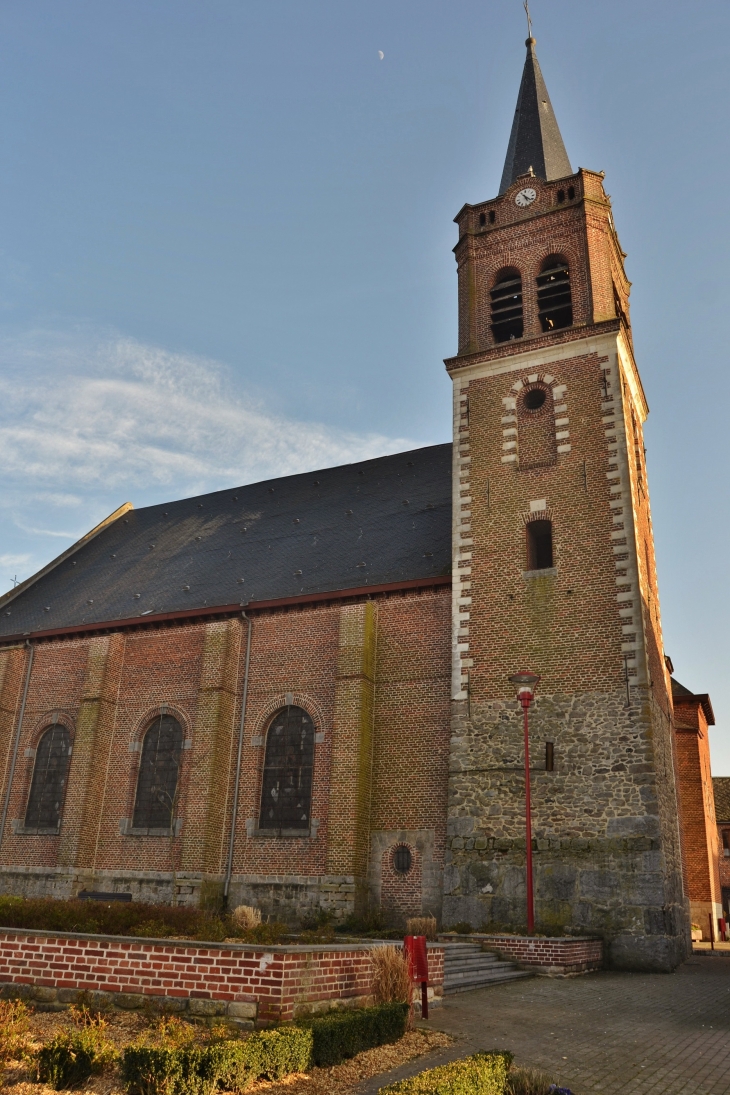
(229, 867)
(11, 774)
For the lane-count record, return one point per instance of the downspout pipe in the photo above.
(244, 697)
(16, 743)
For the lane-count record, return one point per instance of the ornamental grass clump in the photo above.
(422, 925)
(529, 1081)
(390, 981)
(246, 917)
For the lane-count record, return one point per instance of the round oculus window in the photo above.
(534, 399)
(402, 859)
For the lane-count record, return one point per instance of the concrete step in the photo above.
(469, 972)
(489, 961)
(486, 980)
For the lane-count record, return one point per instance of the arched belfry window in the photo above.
(286, 791)
(159, 770)
(506, 302)
(50, 775)
(554, 300)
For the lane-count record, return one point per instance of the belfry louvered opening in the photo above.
(159, 769)
(554, 300)
(286, 791)
(50, 774)
(506, 301)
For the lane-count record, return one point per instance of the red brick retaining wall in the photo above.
(563, 955)
(247, 983)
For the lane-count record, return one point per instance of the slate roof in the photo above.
(535, 141)
(721, 788)
(375, 522)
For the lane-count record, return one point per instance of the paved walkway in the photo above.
(604, 1033)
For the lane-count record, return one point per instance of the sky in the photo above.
(225, 249)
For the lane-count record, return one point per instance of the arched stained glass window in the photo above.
(286, 792)
(50, 774)
(159, 769)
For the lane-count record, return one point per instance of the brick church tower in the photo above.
(554, 571)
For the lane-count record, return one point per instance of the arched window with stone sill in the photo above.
(50, 776)
(159, 773)
(286, 786)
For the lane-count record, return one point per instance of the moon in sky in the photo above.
(381, 55)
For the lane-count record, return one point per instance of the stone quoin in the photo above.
(294, 694)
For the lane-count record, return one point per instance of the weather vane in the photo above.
(529, 21)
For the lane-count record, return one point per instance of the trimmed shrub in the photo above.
(481, 1074)
(342, 1034)
(234, 1064)
(72, 1056)
(390, 976)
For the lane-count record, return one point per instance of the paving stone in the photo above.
(600, 1034)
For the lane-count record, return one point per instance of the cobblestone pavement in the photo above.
(604, 1033)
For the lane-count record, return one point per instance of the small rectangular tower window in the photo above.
(539, 545)
(549, 756)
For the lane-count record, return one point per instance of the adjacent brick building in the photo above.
(295, 693)
(721, 789)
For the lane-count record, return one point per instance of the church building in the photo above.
(294, 694)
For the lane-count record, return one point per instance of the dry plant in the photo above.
(15, 1039)
(422, 925)
(390, 976)
(246, 917)
(528, 1081)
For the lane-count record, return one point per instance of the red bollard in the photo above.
(415, 947)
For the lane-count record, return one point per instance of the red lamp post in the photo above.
(526, 683)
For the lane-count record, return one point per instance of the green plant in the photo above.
(342, 1034)
(528, 1081)
(73, 1055)
(481, 1074)
(390, 976)
(189, 1069)
(462, 928)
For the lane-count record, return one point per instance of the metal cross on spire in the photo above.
(529, 20)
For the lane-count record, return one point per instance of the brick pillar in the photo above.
(352, 734)
(92, 741)
(13, 665)
(215, 724)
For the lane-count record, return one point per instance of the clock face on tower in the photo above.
(525, 197)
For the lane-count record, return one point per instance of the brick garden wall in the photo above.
(374, 676)
(553, 956)
(248, 983)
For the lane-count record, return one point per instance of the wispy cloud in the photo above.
(90, 420)
(9, 560)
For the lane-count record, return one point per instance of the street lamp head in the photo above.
(525, 681)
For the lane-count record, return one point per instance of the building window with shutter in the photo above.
(286, 789)
(157, 781)
(50, 775)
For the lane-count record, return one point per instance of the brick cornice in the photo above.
(526, 345)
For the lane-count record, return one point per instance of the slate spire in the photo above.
(535, 140)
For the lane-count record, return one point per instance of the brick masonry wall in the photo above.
(697, 811)
(381, 752)
(280, 982)
(605, 832)
(553, 955)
